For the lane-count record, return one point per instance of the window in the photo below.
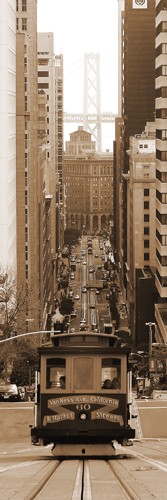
(83, 373)
(162, 176)
(146, 205)
(24, 5)
(17, 7)
(146, 243)
(146, 217)
(161, 92)
(164, 240)
(162, 134)
(146, 256)
(161, 155)
(111, 373)
(43, 74)
(56, 373)
(161, 113)
(146, 230)
(24, 24)
(146, 170)
(146, 192)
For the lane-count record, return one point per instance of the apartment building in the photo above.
(8, 240)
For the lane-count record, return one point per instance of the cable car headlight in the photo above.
(83, 416)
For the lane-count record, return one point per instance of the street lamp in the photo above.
(150, 332)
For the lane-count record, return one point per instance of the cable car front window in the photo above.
(56, 373)
(83, 374)
(111, 373)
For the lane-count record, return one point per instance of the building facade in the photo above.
(161, 167)
(141, 213)
(88, 183)
(8, 240)
(138, 84)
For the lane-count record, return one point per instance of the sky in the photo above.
(79, 28)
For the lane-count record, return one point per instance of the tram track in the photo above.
(90, 480)
(129, 475)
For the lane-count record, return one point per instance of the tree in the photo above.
(14, 297)
(66, 306)
(25, 362)
(13, 302)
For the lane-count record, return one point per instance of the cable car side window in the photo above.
(83, 373)
(111, 373)
(56, 373)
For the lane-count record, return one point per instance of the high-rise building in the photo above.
(141, 213)
(138, 67)
(46, 82)
(28, 249)
(138, 85)
(8, 135)
(161, 166)
(60, 208)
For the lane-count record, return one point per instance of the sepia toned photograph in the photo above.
(83, 249)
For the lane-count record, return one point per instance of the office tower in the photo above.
(138, 67)
(60, 199)
(138, 86)
(88, 182)
(28, 249)
(46, 82)
(8, 136)
(161, 165)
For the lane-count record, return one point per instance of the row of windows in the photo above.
(162, 259)
(161, 134)
(161, 217)
(161, 176)
(161, 49)
(57, 374)
(161, 92)
(161, 155)
(161, 71)
(161, 28)
(162, 197)
(162, 280)
(162, 238)
(161, 113)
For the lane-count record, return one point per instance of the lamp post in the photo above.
(150, 332)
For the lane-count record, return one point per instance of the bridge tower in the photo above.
(92, 97)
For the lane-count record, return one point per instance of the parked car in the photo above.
(83, 320)
(77, 297)
(73, 314)
(9, 392)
